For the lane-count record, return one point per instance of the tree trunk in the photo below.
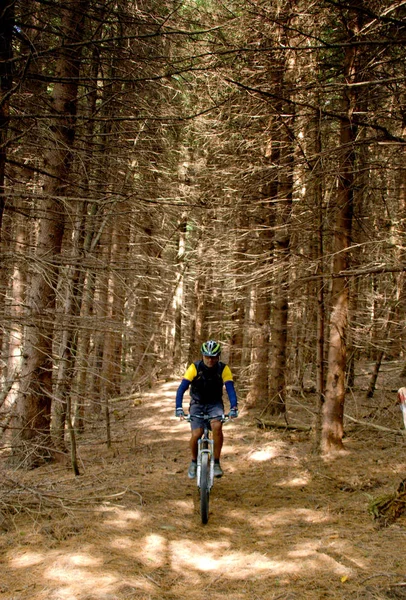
(333, 408)
(32, 441)
(319, 292)
(259, 373)
(19, 281)
(83, 357)
(239, 302)
(112, 350)
(198, 308)
(280, 308)
(6, 81)
(281, 194)
(258, 394)
(178, 298)
(383, 343)
(68, 347)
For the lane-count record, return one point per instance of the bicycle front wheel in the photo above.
(205, 488)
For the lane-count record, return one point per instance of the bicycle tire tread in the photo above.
(204, 488)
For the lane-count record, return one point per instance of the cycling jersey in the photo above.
(206, 384)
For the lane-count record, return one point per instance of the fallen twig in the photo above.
(262, 424)
(374, 425)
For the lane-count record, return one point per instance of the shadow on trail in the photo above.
(269, 536)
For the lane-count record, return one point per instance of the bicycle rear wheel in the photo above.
(204, 488)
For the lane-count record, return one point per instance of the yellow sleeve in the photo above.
(227, 375)
(191, 372)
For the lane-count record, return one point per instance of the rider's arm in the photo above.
(188, 377)
(232, 396)
(229, 384)
(184, 384)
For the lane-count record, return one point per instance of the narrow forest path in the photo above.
(283, 523)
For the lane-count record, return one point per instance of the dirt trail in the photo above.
(283, 523)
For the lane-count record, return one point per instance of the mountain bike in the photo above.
(205, 465)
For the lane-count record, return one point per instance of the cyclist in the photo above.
(206, 378)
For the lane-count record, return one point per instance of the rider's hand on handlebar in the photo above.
(179, 413)
(233, 414)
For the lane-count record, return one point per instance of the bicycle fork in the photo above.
(205, 446)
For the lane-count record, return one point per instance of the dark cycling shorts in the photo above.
(215, 412)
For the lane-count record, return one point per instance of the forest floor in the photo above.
(284, 523)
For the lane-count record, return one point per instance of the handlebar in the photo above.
(188, 417)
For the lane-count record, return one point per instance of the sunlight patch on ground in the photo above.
(158, 421)
(217, 545)
(122, 543)
(342, 547)
(311, 554)
(304, 549)
(77, 582)
(186, 506)
(294, 481)
(26, 559)
(155, 550)
(167, 389)
(264, 454)
(189, 557)
(153, 425)
(84, 560)
(85, 588)
(270, 452)
(288, 517)
(321, 562)
(152, 550)
(122, 518)
(88, 581)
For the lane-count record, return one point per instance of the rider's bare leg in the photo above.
(217, 429)
(193, 443)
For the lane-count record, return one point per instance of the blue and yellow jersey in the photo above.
(191, 373)
(207, 384)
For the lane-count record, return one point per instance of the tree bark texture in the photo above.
(333, 408)
(280, 305)
(6, 82)
(36, 392)
(259, 373)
